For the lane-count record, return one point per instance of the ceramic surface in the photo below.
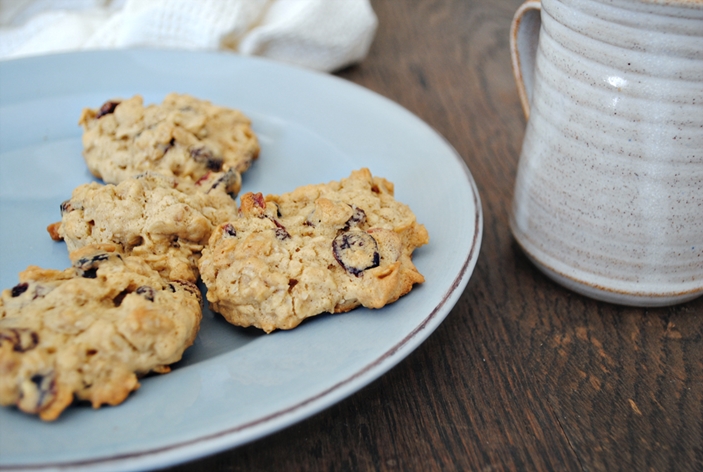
(234, 385)
(609, 192)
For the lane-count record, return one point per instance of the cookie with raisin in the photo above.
(182, 136)
(89, 332)
(324, 248)
(165, 220)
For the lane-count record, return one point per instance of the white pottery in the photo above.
(609, 190)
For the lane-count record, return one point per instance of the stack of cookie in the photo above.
(129, 304)
(165, 218)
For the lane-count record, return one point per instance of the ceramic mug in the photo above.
(609, 189)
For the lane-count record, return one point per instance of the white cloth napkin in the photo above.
(320, 34)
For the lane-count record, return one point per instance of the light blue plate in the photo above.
(233, 385)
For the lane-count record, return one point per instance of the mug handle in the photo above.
(524, 35)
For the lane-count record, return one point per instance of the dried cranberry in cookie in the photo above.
(21, 339)
(205, 156)
(107, 108)
(356, 251)
(229, 181)
(19, 289)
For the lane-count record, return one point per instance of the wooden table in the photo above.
(523, 374)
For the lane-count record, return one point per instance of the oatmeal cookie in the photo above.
(183, 137)
(89, 331)
(321, 248)
(164, 220)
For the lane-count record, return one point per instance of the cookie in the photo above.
(88, 332)
(182, 137)
(321, 248)
(165, 220)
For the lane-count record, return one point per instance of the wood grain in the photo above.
(523, 374)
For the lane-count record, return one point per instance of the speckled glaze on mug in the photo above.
(609, 191)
